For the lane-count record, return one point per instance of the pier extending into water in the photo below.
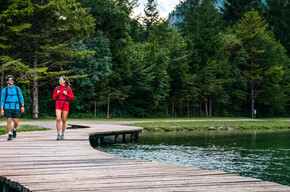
(36, 161)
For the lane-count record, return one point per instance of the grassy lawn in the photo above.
(213, 125)
(23, 128)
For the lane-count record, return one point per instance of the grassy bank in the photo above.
(22, 128)
(213, 125)
(130, 119)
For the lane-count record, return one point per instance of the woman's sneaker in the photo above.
(9, 137)
(62, 137)
(58, 137)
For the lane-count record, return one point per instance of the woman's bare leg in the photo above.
(58, 118)
(64, 116)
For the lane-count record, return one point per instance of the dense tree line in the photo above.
(226, 61)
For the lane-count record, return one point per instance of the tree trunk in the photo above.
(35, 92)
(108, 106)
(188, 108)
(35, 99)
(95, 109)
(252, 91)
(172, 109)
(210, 106)
(206, 109)
(200, 111)
(252, 100)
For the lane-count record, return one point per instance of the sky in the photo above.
(164, 7)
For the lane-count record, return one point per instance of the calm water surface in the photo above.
(258, 154)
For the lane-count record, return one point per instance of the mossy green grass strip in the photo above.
(23, 128)
(212, 125)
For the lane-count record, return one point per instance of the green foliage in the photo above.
(88, 72)
(137, 32)
(277, 15)
(66, 23)
(28, 101)
(264, 68)
(128, 68)
(112, 18)
(10, 10)
(151, 14)
(233, 57)
(234, 10)
(94, 66)
(200, 27)
(149, 79)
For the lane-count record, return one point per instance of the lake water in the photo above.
(258, 154)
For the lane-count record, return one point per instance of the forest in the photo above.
(219, 61)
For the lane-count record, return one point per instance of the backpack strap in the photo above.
(17, 93)
(64, 88)
(6, 94)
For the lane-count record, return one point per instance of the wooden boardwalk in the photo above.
(35, 161)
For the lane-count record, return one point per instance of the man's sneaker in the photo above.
(62, 137)
(14, 133)
(58, 137)
(9, 137)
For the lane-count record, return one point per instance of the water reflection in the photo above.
(258, 154)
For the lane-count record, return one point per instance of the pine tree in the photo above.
(151, 14)
(44, 43)
(113, 19)
(278, 16)
(90, 71)
(201, 27)
(8, 11)
(169, 39)
(233, 10)
(266, 58)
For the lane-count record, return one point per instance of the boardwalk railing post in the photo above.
(99, 140)
(137, 136)
(116, 138)
(132, 137)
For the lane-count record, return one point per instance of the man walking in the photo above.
(10, 107)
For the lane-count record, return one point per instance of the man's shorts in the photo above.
(12, 113)
(62, 105)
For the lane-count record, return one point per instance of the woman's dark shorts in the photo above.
(12, 113)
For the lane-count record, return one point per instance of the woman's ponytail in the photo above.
(66, 81)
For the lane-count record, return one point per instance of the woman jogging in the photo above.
(62, 94)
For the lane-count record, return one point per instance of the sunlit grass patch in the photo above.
(23, 128)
